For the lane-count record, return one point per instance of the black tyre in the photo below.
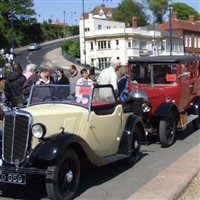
(167, 129)
(196, 122)
(135, 147)
(63, 184)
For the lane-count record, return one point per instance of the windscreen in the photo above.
(159, 73)
(41, 94)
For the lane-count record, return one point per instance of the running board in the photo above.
(185, 120)
(115, 157)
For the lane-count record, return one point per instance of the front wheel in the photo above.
(135, 147)
(167, 129)
(196, 122)
(63, 184)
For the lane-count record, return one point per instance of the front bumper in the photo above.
(23, 170)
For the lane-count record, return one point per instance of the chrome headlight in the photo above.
(38, 130)
(146, 107)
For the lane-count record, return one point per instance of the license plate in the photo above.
(12, 178)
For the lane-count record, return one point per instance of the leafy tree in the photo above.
(184, 11)
(71, 47)
(73, 30)
(129, 8)
(74, 49)
(66, 45)
(21, 12)
(158, 8)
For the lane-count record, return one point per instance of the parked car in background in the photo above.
(57, 133)
(166, 94)
(34, 46)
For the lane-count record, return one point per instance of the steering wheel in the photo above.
(51, 98)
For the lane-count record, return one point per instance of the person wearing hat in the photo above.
(13, 86)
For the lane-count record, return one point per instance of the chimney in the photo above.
(191, 18)
(134, 22)
(174, 15)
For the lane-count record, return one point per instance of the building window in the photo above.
(186, 41)
(87, 29)
(99, 26)
(158, 45)
(168, 46)
(180, 47)
(175, 46)
(129, 43)
(108, 27)
(104, 62)
(101, 13)
(104, 44)
(91, 46)
(109, 14)
(117, 44)
(135, 44)
(190, 41)
(195, 42)
(198, 42)
(109, 46)
(143, 45)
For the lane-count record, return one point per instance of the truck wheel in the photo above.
(63, 183)
(167, 129)
(135, 147)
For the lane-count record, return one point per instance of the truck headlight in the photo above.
(146, 107)
(38, 130)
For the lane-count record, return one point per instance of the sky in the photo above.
(55, 9)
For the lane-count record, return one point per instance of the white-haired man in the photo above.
(109, 76)
(30, 69)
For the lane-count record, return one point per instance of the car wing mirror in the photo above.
(184, 74)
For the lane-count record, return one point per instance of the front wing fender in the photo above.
(52, 148)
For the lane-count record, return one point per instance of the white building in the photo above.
(103, 39)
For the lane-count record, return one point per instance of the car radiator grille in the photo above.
(15, 138)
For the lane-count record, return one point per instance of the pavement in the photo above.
(56, 57)
(170, 183)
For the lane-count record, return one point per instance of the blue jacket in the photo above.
(123, 88)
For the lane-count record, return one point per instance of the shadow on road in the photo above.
(90, 176)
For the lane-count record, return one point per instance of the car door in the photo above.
(185, 89)
(105, 123)
(193, 81)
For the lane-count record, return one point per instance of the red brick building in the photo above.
(189, 30)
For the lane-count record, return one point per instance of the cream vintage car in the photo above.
(56, 133)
